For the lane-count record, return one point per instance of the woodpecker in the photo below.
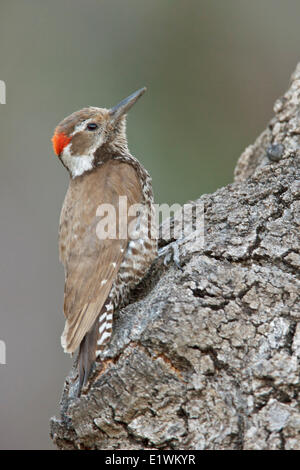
(100, 272)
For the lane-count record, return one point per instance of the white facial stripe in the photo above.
(82, 125)
(77, 164)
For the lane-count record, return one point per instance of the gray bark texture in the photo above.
(207, 357)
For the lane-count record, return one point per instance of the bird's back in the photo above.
(99, 273)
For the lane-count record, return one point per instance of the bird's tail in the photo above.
(87, 354)
(93, 344)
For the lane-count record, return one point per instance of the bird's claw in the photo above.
(170, 255)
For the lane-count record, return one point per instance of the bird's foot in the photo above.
(171, 252)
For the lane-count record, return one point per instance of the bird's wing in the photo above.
(91, 263)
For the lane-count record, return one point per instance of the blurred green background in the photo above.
(213, 69)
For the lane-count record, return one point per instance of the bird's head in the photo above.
(87, 137)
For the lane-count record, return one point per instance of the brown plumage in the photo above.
(99, 273)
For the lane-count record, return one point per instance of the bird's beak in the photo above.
(124, 106)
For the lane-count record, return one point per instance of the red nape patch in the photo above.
(59, 142)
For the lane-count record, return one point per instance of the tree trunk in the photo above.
(207, 357)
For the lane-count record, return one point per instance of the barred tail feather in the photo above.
(93, 344)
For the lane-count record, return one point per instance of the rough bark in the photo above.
(208, 357)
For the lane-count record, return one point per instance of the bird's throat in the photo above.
(77, 164)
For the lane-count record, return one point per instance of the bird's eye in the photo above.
(92, 126)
